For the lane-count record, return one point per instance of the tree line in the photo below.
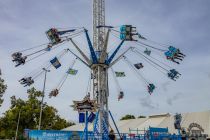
(29, 116)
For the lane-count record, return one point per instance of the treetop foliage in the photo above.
(3, 88)
(128, 117)
(29, 116)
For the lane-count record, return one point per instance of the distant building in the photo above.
(196, 124)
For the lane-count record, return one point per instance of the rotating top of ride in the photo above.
(126, 33)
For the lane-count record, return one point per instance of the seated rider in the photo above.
(139, 65)
(30, 81)
(16, 56)
(121, 95)
(172, 49)
(48, 48)
(21, 60)
(54, 93)
(177, 51)
(170, 56)
(53, 36)
(22, 81)
(151, 88)
(173, 74)
(26, 81)
(148, 52)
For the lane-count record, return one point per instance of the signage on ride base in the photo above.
(85, 105)
(54, 135)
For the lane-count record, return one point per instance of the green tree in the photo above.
(3, 88)
(29, 110)
(128, 117)
(141, 116)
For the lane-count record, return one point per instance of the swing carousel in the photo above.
(60, 38)
(125, 33)
(100, 60)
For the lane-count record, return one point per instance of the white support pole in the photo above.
(17, 125)
(43, 92)
(100, 71)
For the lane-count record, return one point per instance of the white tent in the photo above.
(197, 120)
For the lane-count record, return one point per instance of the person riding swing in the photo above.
(151, 88)
(54, 93)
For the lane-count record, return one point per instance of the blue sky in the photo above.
(184, 24)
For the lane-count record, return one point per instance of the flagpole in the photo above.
(41, 108)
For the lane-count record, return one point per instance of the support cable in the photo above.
(119, 57)
(155, 59)
(117, 85)
(78, 58)
(72, 35)
(45, 52)
(44, 49)
(141, 43)
(59, 56)
(157, 43)
(152, 64)
(117, 36)
(35, 52)
(134, 70)
(66, 75)
(148, 60)
(162, 45)
(40, 72)
(115, 30)
(34, 47)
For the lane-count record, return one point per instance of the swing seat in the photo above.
(29, 83)
(122, 36)
(173, 49)
(173, 74)
(18, 58)
(48, 48)
(169, 54)
(54, 93)
(139, 65)
(121, 95)
(151, 88)
(16, 55)
(20, 61)
(26, 81)
(127, 32)
(53, 36)
(123, 28)
(147, 52)
(22, 81)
